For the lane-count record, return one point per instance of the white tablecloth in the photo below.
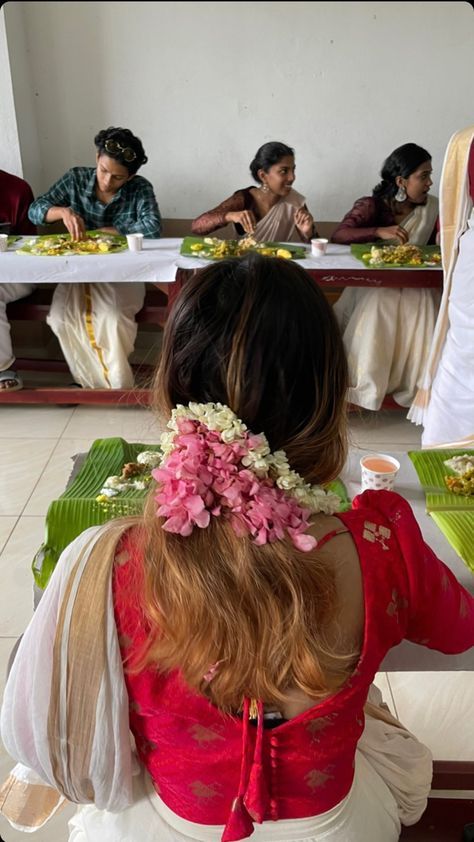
(409, 656)
(157, 262)
(336, 257)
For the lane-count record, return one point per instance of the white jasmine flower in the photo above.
(167, 442)
(258, 459)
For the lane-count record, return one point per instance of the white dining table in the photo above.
(338, 267)
(159, 260)
(156, 262)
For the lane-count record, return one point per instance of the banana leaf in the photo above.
(340, 489)
(297, 252)
(117, 243)
(458, 528)
(452, 513)
(77, 508)
(362, 252)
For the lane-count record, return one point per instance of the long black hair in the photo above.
(268, 155)
(258, 335)
(402, 162)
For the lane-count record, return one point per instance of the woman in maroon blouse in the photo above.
(387, 332)
(402, 193)
(271, 212)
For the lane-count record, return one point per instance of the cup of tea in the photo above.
(3, 242)
(319, 246)
(135, 242)
(378, 471)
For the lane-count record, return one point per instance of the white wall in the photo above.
(204, 84)
(10, 159)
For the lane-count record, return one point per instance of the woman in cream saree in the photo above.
(387, 332)
(270, 213)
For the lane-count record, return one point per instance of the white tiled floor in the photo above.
(36, 445)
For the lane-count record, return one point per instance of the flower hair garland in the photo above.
(213, 466)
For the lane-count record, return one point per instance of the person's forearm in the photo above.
(54, 214)
(208, 222)
(347, 234)
(216, 218)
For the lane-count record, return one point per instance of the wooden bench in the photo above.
(35, 307)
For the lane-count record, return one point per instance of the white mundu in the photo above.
(387, 332)
(96, 327)
(445, 403)
(9, 292)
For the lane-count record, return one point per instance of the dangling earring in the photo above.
(264, 187)
(401, 194)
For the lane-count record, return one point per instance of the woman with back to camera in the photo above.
(271, 212)
(249, 616)
(95, 322)
(387, 332)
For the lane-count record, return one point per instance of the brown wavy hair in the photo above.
(258, 335)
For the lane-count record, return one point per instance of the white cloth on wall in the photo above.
(96, 327)
(387, 332)
(9, 292)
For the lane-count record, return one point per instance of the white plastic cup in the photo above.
(3, 242)
(319, 246)
(135, 242)
(378, 471)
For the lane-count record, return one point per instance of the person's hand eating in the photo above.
(244, 218)
(74, 224)
(392, 232)
(304, 222)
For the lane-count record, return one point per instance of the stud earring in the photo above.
(401, 194)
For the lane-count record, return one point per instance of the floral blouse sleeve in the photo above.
(440, 610)
(361, 222)
(213, 219)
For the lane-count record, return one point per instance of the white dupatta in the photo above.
(65, 714)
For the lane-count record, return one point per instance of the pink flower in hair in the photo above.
(214, 467)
